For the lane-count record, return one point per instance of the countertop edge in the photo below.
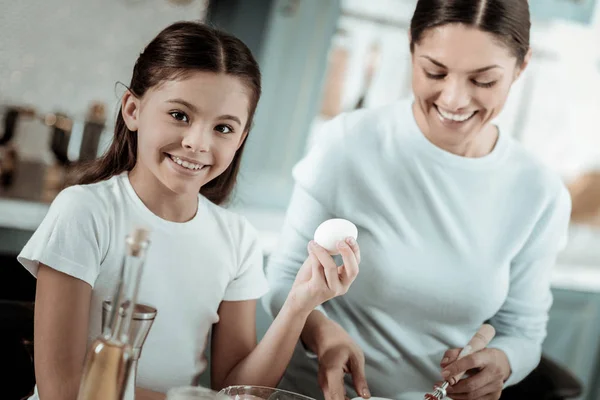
(27, 215)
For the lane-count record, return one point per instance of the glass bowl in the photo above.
(194, 393)
(260, 393)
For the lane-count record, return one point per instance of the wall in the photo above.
(62, 54)
(552, 108)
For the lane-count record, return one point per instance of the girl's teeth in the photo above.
(185, 164)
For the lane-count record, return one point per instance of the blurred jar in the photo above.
(74, 140)
(26, 133)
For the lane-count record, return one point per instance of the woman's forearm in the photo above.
(266, 364)
(313, 330)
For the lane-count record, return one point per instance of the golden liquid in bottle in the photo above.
(106, 371)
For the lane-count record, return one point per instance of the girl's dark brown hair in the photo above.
(180, 49)
(507, 20)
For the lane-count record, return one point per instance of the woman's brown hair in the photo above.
(507, 20)
(180, 49)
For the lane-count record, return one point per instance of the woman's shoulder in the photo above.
(536, 176)
(365, 130)
(370, 122)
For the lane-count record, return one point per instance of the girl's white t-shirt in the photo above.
(190, 269)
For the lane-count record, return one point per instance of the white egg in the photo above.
(332, 231)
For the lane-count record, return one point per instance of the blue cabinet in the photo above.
(573, 337)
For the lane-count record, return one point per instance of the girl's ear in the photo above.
(130, 106)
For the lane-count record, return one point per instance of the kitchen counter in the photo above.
(24, 204)
(569, 273)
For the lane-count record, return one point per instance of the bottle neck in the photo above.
(125, 296)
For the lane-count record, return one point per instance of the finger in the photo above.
(349, 271)
(475, 382)
(357, 369)
(331, 381)
(449, 357)
(308, 267)
(455, 370)
(329, 266)
(489, 391)
(354, 246)
(316, 269)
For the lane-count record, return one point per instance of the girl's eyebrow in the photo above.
(184, 103)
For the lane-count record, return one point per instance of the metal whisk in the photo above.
(478, 342)
(439, 393)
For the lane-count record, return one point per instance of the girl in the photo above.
(174, 159)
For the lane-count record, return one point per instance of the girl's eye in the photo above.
(179, 116)
(224, 129)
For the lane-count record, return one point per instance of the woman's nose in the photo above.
(454, 96)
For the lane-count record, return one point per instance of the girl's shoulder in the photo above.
(230, 219)
(90, 198)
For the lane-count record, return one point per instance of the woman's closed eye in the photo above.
(179, 116)
(431, 75)
(483, 84)
(476, 82)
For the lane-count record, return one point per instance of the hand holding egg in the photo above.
(330, 232)
(320, 278)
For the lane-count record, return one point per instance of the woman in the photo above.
(458, 225)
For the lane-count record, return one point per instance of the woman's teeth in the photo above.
(186, 164)
(454, 117)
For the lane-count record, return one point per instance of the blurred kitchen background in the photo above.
(64, 64)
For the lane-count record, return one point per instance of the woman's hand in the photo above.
(488, 370)
(338, 355)
(320, 279)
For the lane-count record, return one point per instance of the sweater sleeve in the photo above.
(313, 201)
(521, 321)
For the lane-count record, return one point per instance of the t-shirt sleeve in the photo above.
(249, 282)
(70, 237)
